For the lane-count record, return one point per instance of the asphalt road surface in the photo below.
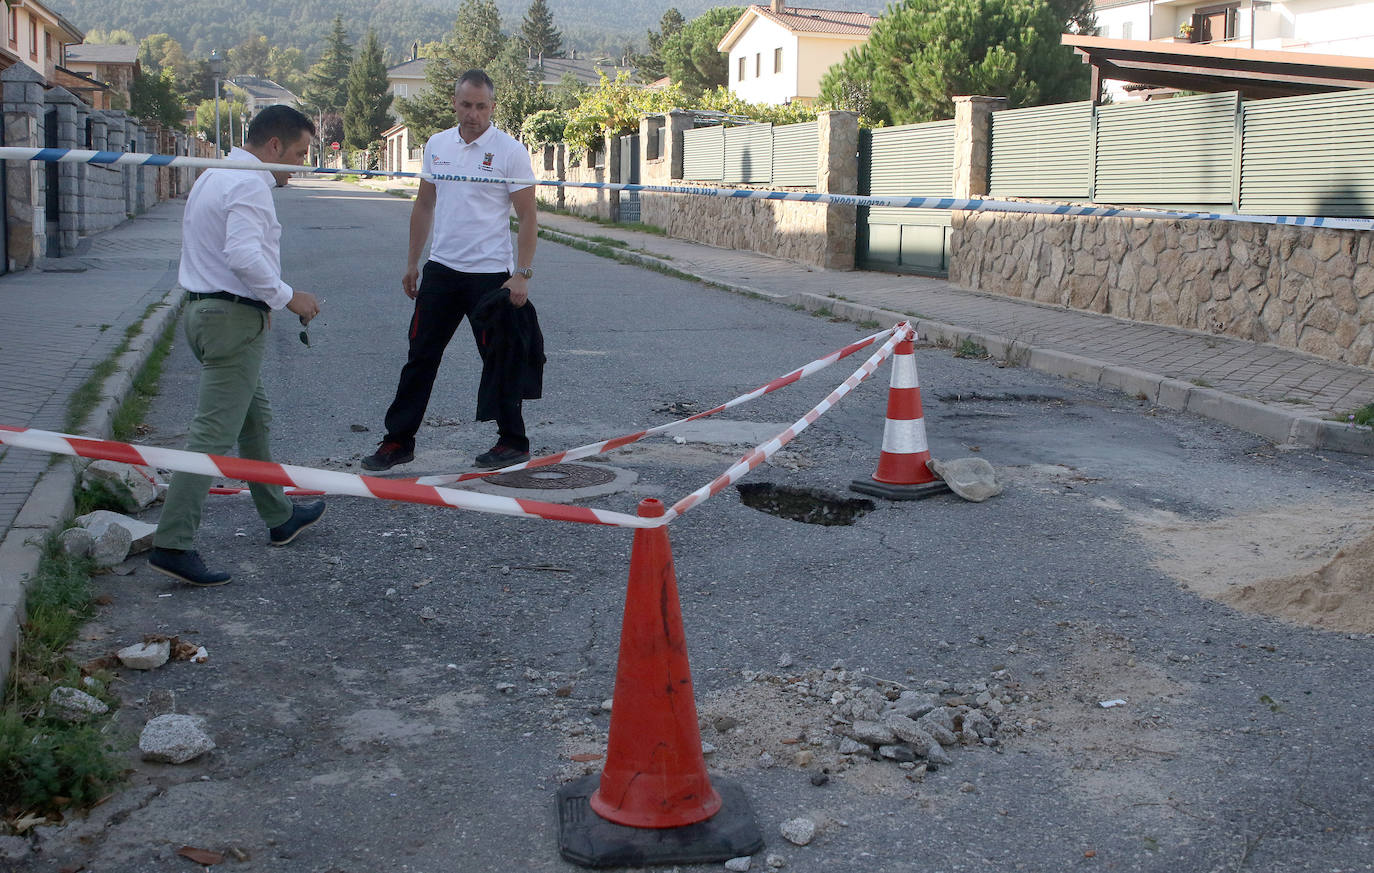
(356, 681)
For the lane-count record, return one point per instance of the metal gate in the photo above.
(629, 174)
(52, 212)
(916, 160)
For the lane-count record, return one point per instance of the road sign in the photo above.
(334, 146)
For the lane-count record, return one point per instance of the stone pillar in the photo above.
(24, 180)
(68, 175)
(612, 175)
(837, 172)
(676, 122)
(972, 143)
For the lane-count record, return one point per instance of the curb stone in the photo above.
(1284, 428)
(51, 502)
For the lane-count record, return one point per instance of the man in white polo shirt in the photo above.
(470, 257)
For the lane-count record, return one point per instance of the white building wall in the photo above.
(756, 46)
(820, 54)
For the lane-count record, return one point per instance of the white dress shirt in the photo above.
(230, 236)
(472, 220)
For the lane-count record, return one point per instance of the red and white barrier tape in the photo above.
(766, 450)
(618, 442)
(609, 445)
(307, 480)
(311, 479)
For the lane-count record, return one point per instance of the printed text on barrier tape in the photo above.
(627, 439)
(19, 153)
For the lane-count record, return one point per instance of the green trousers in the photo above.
(229, 340)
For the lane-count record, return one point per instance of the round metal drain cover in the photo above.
(558, 477)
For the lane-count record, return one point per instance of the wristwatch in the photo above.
(527, 272)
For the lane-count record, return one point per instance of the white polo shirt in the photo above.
(472, 220)
(230, 236)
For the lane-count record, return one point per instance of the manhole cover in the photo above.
(555, 477)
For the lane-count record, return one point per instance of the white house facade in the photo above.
(779, 53)
(1330, 27)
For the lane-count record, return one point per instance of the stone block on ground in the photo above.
(133, 486)
(174, 739)
(74, 705)
(145, 656)
(140, 532)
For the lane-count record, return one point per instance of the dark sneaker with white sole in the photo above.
(187, 566)
(501, 456)
(388, 455)
(302, 516)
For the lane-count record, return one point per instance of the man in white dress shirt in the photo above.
(470, 257)
(231, 267)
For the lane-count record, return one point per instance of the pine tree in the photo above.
(366, 113)
(475, 42)
(649, 66)
(326, 85)
(541, 38)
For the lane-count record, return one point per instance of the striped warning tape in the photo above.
(614, 443)
(766, 450)
(621, 441)
(310, 478)
(19, 153)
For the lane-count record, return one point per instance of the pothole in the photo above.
(807, 505)
(1005, 397)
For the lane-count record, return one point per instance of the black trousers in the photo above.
(446, 297)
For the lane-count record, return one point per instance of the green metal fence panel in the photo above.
(1309, 155)
(915, 159)
(918, 160)
(749, 155)
(1044, 151)
(1170, 152)
(796, 152)
(703, 154)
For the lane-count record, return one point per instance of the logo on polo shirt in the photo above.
(487, 159)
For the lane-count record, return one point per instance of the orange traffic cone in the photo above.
(653, 802)
(902, 472)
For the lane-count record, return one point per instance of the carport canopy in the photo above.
(1255, 73)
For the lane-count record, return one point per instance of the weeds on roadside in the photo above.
(1364, 416)
(46, 763)
(970, 349)
(136, 405)
(637, 226)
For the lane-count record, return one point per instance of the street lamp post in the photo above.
(218, 67)
(243, 129)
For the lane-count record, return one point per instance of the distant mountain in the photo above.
(204, 25)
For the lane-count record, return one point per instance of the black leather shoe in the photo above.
(388, 455)
(186, 566)
(501, 456)
(302, 516)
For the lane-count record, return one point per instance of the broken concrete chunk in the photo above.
(145, 656)
(174, 739)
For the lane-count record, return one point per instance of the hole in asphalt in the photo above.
(977, 397)
(807, 505)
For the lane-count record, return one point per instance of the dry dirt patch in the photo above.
(1309, 563)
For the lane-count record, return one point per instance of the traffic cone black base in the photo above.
(899, 492)
(588, 840)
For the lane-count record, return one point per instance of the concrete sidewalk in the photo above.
(1288, 397)
(58, 325)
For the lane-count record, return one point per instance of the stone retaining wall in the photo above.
(1302, 288)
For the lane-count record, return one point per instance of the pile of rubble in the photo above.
(867, 716)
